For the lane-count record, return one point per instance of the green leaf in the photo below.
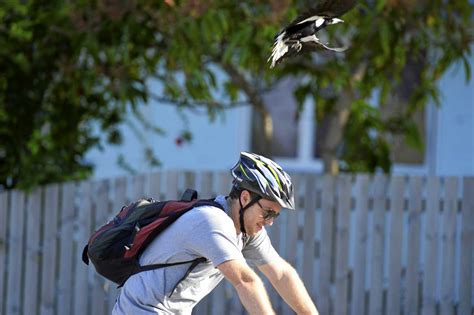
(385, 39)
(21, 31)
(300, 93)
(380, 5)
(211, 78)
(223, 21)
(231, 90)
(467, 68)
(413, 137)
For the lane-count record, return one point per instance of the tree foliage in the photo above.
(67, 67)
(398, 51)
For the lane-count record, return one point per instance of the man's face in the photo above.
(260, 214)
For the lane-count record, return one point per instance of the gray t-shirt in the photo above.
(202, 232)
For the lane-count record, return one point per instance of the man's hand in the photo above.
(286, 281)
(249, 286)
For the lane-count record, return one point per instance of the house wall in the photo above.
(455, 150)
(215, 145)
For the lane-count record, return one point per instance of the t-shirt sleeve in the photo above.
(259, 249)
(214, 236)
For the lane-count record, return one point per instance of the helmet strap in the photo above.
(241, 212)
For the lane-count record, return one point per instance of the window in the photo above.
(282, 108)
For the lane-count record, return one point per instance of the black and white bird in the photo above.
(300, 34)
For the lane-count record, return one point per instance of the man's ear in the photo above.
(244, 197)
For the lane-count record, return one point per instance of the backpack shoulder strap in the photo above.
(85, 258)
(209, 202)
(189, 195)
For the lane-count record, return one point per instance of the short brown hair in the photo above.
(237, 190)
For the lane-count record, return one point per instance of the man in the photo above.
(226, 239)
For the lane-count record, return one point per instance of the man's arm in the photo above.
(249, 286)
(286, 281)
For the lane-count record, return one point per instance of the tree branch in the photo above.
(255, 99)
(192, 104)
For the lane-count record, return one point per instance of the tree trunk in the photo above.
(397, 106)
(262, 124)
(257, 103)
(335, 123)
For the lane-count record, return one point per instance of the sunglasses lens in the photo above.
(268, 214)
(271, 215)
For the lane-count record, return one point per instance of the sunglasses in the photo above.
(268, 214)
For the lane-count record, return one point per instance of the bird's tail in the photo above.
(280, 48)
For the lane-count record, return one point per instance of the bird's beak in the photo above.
(336, 20)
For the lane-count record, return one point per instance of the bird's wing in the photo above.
(327, 8)
(295, 28)
(334, 8)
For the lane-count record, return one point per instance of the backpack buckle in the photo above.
(189, 194)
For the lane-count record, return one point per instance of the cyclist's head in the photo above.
(262, 176)
(237, 191)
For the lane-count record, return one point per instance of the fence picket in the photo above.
(466, 269)
(101, 213)
(204, 191)
(171, 185)
(190, 181)
(342, 244)
(380, 186)
(292, 227)
(205, 185)
(323, 300)
(292, 236)
(232, 306)
(138, 187)
(219, 294)
(155, 185)
(309, 232)
(32, 254)
(431, 252)
(17, 217)
(275, 237)
(65, 252)
(360, 250)
(3, 249)
(395, 245)
(448, 241)
(81, 304)
(120, 200)
(413, 257)
(48, 262)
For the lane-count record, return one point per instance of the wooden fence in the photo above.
(362, 244)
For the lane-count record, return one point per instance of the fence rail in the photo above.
(362, 244)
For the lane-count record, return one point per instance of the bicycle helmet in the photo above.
(264, 177)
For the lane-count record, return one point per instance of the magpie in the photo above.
(300, 34)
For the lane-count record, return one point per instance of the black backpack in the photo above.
(115, 248)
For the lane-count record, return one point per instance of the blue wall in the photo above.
(216, 145)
